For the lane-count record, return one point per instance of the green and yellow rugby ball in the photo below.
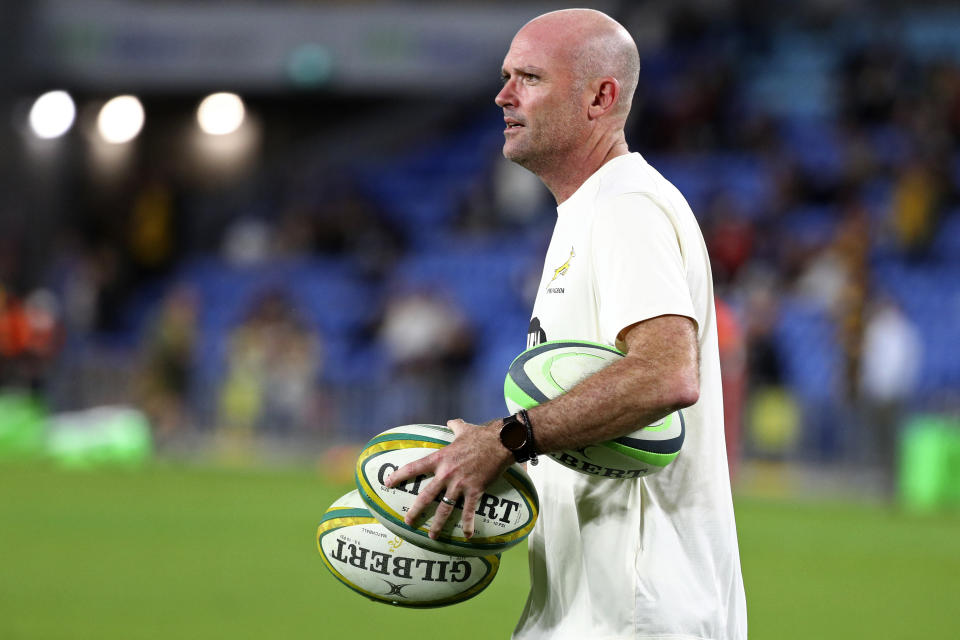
(550, 369)
(366, 557)
(504, 516)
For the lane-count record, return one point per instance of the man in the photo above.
(649, 558)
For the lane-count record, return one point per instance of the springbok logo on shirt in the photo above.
(560, 271)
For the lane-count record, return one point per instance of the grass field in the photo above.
(174, 552)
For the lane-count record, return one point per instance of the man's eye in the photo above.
(531, 79)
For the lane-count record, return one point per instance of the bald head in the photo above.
(593, 44)
(568, 82)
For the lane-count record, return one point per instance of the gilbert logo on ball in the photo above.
(366, 557)
(504, 516)
(550, 369)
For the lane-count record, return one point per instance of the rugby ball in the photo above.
(550, 369)
(505, 515)
(372, 561)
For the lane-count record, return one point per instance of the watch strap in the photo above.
(528, 450)
(530, 446)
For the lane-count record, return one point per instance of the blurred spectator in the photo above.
(772, 412)
(518, 195)
(919, 192)
(247, 241)
(836, 279)
(733, 377)
(74, 274)
(430, 345)
(824, 278)
(153, 234)
(273, 362)
(168, 361)
(14, 336)
(853, 245)
(892, 355)
(425, 333)
(730, 239)
(872, 77)
(30, 337)
(109, 286)
(46, 334)
(295, 231)
(764, 364)
(506, 196)
(347, 223)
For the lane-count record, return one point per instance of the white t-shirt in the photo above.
(655, 557)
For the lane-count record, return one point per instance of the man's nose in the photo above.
(506, 95)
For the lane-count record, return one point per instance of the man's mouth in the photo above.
(512, 124)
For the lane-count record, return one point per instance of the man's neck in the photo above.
(565, 177)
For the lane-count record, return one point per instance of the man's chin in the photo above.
(513, 154)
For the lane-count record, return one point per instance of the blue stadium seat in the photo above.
(811, 355)
(811, 225)
(946, 244)
(817, 145)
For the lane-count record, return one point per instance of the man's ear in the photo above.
(604, 97)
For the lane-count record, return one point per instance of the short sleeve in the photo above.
(638, 264)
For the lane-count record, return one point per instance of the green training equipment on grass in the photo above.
(23, 421)
(929, 470)
(551, 369)
(102, 436)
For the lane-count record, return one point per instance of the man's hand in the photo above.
(461, 471)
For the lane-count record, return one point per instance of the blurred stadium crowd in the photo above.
(373, 261)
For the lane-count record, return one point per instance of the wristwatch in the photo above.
(516, 434)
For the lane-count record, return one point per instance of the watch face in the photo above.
(513, 434)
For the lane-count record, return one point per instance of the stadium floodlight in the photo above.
(220, 114)
(120, 119)
(52, 114)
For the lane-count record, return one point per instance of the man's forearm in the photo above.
(659, 375)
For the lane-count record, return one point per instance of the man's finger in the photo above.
(457, 425)
(425, 465)
(429, 491)
(470, 501)
(443, 512)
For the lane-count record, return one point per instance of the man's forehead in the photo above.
(532, 53)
